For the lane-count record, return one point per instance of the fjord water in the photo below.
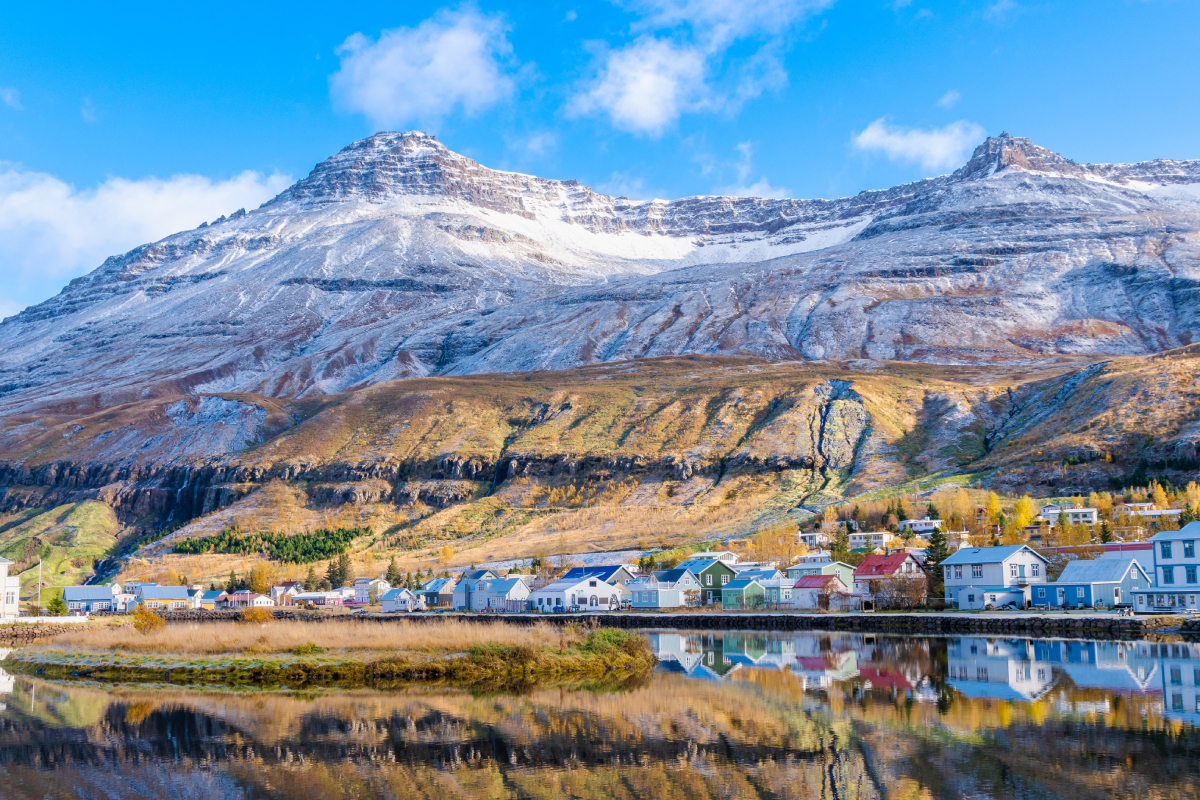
(733, 715)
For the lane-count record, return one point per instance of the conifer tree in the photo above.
(310, 580)
(231, 587)
(937, 552)
(393, 573)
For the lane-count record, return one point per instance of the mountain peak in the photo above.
(1001, 152)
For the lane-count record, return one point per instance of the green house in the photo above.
(743, 594)
(713, 575)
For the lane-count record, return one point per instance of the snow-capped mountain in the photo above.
(397, 257)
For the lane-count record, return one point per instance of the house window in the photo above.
(724, 579)
(1166, 549)
(1168, 574)
(1177, 702)
(1191, 574)
(981, 673)
(958, 572)
(1079, 592)
(970, 598)
(947, 572)
(1189, 549)
(1041, 592)
(977, 570)
(592, 584)
(1035, 570)
(708, 580)
(1196, 677)
(1012, 570)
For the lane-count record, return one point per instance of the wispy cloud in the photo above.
(745, 168)
(936, 148)
(455, 59)
(87, 110)
(50, 231)
(10, 97)
(1000, 10)
(679, 61)
(949, 99)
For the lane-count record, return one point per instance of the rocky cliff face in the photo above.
(399, 258)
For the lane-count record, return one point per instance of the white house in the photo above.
(817, 591)
(470, 583)
(363, 587)
(318, 598)
(921, 527)
(505, 594)
(1176, 572)
(10, 591)
(395, 600)
(664, 589)
(873, 539)
(815, 539)
(1075, 514)
(245, 598)
(726, 557)
(976, 577)
(812, 558)
(588, 594)
(285, 593)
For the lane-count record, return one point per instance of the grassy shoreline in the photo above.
(352, 654)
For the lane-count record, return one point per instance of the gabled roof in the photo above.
(1189, 531)
(1100, 570)
(396, 594)
(5, 562)
(164, 593)
(988, 555)
(700, 564)
(212, 594)
(742, 583)
(478, 574)
(83, 594)
(759, 572)
(604, 572)
(816, 581)
(437, 584)
(564, 585)
(878, 565)
(674, 575)
(505, 585)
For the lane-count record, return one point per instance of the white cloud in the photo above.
(87, 110)
(51, 232)
(932, 149)
(949, 99)
(745, 166)
(719, 22)
(645, 86)
(10, 97)
(421, 74)
(999, 10)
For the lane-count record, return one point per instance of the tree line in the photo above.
(300, 548)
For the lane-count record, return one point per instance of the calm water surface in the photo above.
(837, 716)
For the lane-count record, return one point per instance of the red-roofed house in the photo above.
(818, 591)
(872, 571)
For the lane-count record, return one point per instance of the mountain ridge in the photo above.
(398, 258)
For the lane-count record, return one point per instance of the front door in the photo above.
(1062, 596)
(1116, 595)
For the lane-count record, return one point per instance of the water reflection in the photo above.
(727, 715)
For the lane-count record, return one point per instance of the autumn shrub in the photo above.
(256, 615)
(146, 621)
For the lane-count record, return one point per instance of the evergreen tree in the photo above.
(393, 573)
(332, 574)
(310, 580)
(840, 548)
(232, 586)
(932, 511)
(1105, 534)
(937, 552)
(1186, 516)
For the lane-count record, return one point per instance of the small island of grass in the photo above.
(338, 653)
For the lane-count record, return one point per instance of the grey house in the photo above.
(1103, 581)
(86, 599)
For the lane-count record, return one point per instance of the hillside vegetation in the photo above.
(657, 452)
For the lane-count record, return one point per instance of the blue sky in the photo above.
(122, 125)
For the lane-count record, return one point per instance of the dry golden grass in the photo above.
(349, 636)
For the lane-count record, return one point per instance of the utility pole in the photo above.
(39, 603)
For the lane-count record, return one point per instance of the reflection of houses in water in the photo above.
(1002, 669)
(1115, 666)
(7, 682)
(1179, 676)
(823, 671)
(819, 661)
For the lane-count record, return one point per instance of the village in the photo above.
(918, 566)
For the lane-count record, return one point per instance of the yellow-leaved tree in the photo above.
(1160, 497)
(1025, 511)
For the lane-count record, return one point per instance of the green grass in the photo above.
(68, 539)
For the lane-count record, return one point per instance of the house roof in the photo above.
(819, 565)
(759, 572)
(1189, 531)
(698, 565)
(602, 571)
(505, 585)
(437, 584)
(815, 581)
(478, 574)
(78, 594)
(4, 561)
(564, 585)
(988, 555)
(876, 564)
(1100, 570)
(164, 593)
(742, 583)
(396, 594)
(212, 594)
(674, 575)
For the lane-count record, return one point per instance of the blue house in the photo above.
(1099, 582)
(85, 599)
